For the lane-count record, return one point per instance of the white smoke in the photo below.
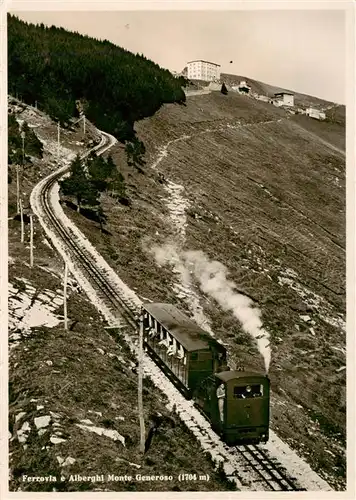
(170, 253)
(212, 278)
(164, 254)
(211, 275)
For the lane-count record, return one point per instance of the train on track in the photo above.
(235, 402)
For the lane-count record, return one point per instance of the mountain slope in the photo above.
(265, 196)
(58, 68)
(269, 90)
(66, 387)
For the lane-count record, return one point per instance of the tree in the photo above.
(135, 149)
(34, 146)
(111, 167)
(117, 186)
(91, 194)
(96, 167)
(224, 89)
(78, 185)
(101, 217)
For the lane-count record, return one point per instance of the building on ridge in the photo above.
(315, 113)
(284, 99)
(203, 70)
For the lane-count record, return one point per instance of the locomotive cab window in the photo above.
(248, 391)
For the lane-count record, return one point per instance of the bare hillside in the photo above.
(264, 195)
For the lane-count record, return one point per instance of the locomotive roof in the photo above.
(183, 329)
(234, 374)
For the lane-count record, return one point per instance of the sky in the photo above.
(300, 50)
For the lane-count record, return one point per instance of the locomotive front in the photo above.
(243, 406)
(235, 402)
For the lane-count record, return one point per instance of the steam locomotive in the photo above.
(235, 402)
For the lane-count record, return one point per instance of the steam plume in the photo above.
(212, 278)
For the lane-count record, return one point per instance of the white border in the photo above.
(55, 5)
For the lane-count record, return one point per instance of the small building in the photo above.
(284, 98)
(203, 70)
(263, 98)
(242, 87)
(315, 113)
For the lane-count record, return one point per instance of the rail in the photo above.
(266, 472)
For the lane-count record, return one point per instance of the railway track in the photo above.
(250, 467)
(267, 470)
(108, 292)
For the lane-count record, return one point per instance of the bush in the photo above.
(135, 150)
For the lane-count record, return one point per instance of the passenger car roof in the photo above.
(183, 329)
(235, 374)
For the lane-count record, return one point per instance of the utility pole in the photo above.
(58, 139)
(140, 377)
(22, 224)
(23, 147)
(31, 240)
(65, 295)
(17, 188)
(84, 124)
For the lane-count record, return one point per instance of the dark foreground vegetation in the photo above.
(58, 68)
(91, 177)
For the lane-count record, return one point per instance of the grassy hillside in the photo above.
(79, 374)
(266, 199)
(58, 68)
(96, 380)
(337, 114)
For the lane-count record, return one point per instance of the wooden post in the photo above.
(58, 139)
(23, 147)
(22, 224)
(65, 296)
(31, 240)
(140, 377)
(84, 124)
(17, 189)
